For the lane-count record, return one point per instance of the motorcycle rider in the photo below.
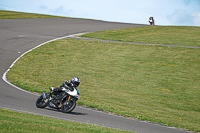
(151, 20)
(67, 85)
(70, 85)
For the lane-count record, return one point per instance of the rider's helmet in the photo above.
(76, 81)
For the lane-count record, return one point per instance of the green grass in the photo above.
(176, 35)
(16, 122)
(154, 83)
(21, 15)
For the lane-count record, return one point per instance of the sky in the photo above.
(165, 12)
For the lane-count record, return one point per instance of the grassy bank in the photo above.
(16, 122)
(21, 15)
(154, 83)
(174, 35)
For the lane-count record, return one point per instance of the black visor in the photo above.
(76, 84)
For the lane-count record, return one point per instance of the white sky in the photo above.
(165, 12)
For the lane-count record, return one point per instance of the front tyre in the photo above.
(40, 103)
(69, 106)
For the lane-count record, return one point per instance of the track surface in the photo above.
(20, 35)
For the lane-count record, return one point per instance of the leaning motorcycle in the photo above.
(65, 100)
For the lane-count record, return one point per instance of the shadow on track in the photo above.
(72, 113)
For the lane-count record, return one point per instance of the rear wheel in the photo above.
(40, 103)
(69, 106)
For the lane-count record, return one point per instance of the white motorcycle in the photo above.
(64, 100)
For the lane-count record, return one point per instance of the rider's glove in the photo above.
(52, 89)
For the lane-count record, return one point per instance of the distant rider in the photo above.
(151, 20)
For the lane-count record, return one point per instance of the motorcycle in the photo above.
(65, 100)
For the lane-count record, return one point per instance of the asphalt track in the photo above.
(20, 35)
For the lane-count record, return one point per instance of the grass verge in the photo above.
(17, 122)
(21, 15)
(176, 35)
(154, 83)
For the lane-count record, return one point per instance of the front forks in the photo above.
(67, 102)
(69, 98)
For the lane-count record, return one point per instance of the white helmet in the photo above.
(76, 81)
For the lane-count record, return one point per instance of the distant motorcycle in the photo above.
(151, 20)
(65, 100)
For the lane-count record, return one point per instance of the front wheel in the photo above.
(40, 103)
(69, 106)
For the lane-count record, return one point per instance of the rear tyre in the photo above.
(69, 106)
(40, 103)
